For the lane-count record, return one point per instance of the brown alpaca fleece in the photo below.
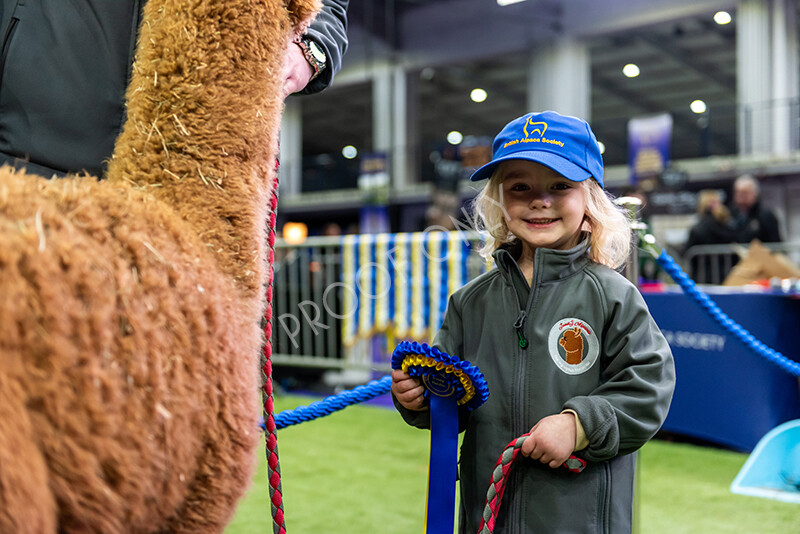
(130, 308)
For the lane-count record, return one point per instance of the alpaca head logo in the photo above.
(573, 345)
(572, 341)
(534, 127)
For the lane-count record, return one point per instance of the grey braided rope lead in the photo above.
(499, 475)
(509, 453)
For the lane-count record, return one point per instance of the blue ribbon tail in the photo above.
(443, 465)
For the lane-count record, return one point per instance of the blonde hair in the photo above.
(607, 225)
(710, 200)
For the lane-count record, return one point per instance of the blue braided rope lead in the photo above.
(690, 288)
(333, 403)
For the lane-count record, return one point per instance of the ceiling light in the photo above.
(631, 70)
(478, 95)
(455, 137)
(698, 106)
(508, 2)
(349, 152)
(722, 17)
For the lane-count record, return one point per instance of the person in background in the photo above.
(569, 350)
(64, 68)
(714, 226)
(331, 229)
(751, 219)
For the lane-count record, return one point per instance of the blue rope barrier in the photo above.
(375, 388)
(690, 288)
(333, 403)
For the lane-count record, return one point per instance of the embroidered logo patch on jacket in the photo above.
(573, 345)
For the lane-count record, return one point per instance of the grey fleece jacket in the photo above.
(591, 346)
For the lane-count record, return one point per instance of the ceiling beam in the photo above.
(617, 91)
(706, 70)
(683, 123)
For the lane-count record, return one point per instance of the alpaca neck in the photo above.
(203, 109)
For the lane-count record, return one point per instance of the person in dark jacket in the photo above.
(64, 68)
(752, 220)
(714, 226)
(568, 348)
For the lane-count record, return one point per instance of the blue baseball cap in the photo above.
(565, 144)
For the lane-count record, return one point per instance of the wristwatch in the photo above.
(314, 55)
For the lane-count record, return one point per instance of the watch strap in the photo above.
(316, 65)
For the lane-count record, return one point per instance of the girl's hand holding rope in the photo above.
(551, 440)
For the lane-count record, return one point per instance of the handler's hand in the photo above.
(408, 391)
(552, 440)
(296, 70)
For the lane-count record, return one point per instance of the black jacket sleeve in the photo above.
(770, 230)
(329, 30)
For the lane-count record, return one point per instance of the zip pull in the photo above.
(519, 325)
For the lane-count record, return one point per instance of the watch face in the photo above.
(319, 55)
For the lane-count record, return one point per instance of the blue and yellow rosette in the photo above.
(451, 384)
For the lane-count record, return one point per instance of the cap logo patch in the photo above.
(534, 133)
(573, 346)
(539, 127)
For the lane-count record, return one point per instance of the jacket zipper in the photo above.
(513, 510)
(6, 45)
(519, 326)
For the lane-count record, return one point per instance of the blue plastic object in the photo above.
(772, 470)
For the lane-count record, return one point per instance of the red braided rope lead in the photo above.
(273, 467)
(499, 476)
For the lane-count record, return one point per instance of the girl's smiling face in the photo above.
(542, 208)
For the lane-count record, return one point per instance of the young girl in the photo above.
(566, 343)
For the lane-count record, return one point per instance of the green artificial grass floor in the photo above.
(363, 470)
